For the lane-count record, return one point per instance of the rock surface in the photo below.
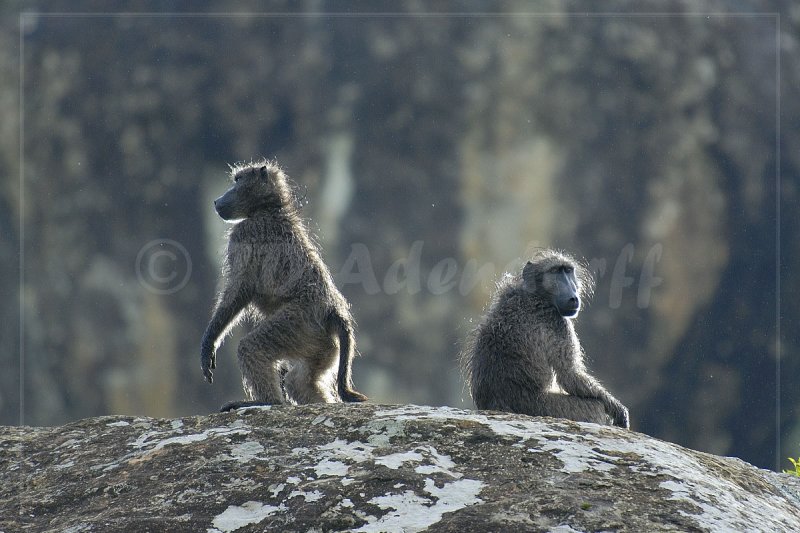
(373, 468)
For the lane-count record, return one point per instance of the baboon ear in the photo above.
(529, 276)
(527, 270)
(263, 171)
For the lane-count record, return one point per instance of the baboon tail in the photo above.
(344, 331)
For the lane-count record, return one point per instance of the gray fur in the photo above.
(273, 273)
(525, 357)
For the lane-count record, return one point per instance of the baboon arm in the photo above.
(232, 301)
(576, 381)
(584, 386)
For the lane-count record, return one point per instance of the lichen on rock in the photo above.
(372, 468)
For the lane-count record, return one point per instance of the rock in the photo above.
(373, 468)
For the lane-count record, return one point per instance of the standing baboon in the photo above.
(273, 269)
(524, 356)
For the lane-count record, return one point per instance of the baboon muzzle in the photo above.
(224, 208)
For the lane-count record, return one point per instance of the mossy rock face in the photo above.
(375, 468)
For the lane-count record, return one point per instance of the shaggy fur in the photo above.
(274, 271)
(524, 356)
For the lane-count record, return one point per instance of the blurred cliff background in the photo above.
(431, 153)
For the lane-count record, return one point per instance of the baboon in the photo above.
(274, 274)
(524, 356)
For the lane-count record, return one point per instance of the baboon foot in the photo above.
(349, 396)
(230, 406)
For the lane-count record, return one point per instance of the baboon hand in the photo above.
(208, 361)
(619, 415)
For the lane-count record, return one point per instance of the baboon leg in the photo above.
(574, 408)
(260, 377)
(518, 399)
(309, 381)
(261, 352)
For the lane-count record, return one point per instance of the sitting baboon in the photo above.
(273, 270)
(524, 356)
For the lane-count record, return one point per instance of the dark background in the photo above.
(429, 151)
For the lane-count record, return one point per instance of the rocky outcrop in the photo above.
(373, 468)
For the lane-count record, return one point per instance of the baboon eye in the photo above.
(568, 270)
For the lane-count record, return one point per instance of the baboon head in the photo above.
(256, 187)
(558, 279)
